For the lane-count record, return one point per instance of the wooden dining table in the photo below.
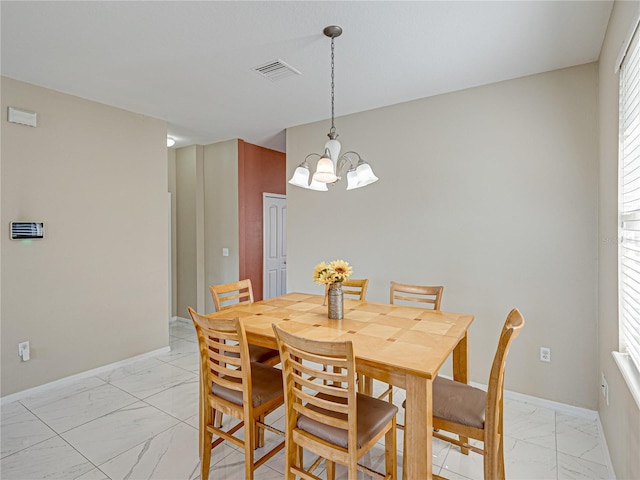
(401, 345)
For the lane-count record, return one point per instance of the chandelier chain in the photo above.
(333, 128)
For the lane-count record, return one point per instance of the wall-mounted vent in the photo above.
(23, 117)
(276, 70)
(27, 230)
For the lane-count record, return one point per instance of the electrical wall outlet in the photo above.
(545, 354)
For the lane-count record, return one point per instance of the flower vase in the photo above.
(336, 310)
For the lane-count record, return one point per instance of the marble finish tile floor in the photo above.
(140, 422)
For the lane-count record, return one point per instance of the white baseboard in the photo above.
(182, 320)
(79, 376)
(557, 406)
(605, 447)
(89, 373)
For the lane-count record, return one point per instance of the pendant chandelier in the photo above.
(331, 163)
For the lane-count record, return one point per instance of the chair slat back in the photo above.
(229, 295)
(351, 286)
(356, 287)
(416, 293)
(494, 409)
(307, 384)
(224, 354)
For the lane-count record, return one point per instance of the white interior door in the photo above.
(274, 213)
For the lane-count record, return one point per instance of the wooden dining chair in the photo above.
(469, 412)
(231, 384)
(231, 295)
(353, 287)
(406, 293)
(416, 293)
(356, 287)
(324, 413)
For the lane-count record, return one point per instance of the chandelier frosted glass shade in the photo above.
(365, 174)
(325, 170)
(301, 176)
(318, 186)
(360, 176)
(352, 179)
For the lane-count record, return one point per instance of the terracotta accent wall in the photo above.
(259, 170)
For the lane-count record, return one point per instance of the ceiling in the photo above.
(190, 62)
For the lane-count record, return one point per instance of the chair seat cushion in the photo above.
(458, 402)
(266, 384)
(372, 414)
(261, 354)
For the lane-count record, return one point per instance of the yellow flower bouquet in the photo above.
(327, 273)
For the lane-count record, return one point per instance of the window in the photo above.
(629, 161)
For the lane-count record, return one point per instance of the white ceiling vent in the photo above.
(276, 70)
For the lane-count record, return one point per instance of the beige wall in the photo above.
(490, 191)
(220, 215)
(173, 189)
(207, 219)
(186, 229)
(621, 418)
(94, 291)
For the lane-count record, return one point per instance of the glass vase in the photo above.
(335, 300)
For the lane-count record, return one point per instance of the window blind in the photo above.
(630, 202)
